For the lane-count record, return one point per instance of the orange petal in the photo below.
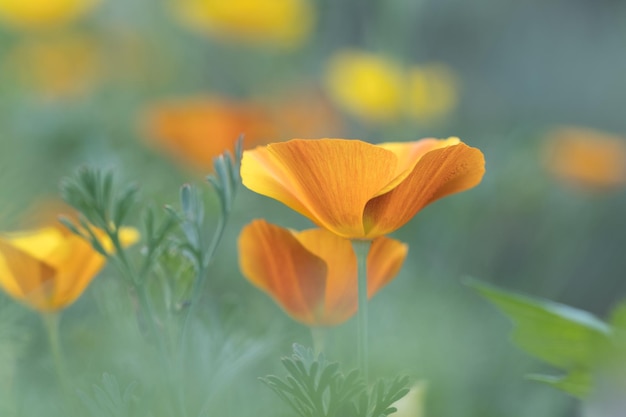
(438, 173)
(77, 271)
(24, 277)
(409, 154)
(275, 261)
(385, 258)
(327, 180)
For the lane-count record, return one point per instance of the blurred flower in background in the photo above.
(312, 274)
(285, 23)
(55, 67)
(366, 85)
(306, 112)
(195, 130)
(380, 90)
(432, 91)
(49, 268)
(42, 14)
(586, 159)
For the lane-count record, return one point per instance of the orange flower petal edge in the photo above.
(312, 274)
(49, 268)
(358, 190)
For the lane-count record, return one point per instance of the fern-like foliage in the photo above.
(316, 387)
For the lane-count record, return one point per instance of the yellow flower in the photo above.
(43, 14)
(432, 91)
(56, 67)
(49, 268)
(278, 22)
(312, 274)
(586, 159)
(358, 190)
(198, 129)
(367, 85)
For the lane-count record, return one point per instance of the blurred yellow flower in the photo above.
(49, 268)
(378, 89)
(56, 67)
(278, 22)
(432, 91)
(312, 274)
(195, 130)
(43, 14)
(586, 159)
(366, 85)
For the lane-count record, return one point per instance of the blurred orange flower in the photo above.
(358, 190)
(585, 158)
(49, 268)
(278, 22)
(43, 14)
(306, 113)
(312, 274)
(56, 67)
(197, 130)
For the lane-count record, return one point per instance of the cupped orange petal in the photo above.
(272, 259)
(23, 276)
(438, 173)
(49, 268)
(313, 274)
(384, 261)
(327, 180)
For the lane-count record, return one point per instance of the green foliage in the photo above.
(109, 400)
(562, 336)
(317, 388)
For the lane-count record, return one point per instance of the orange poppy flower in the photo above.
(49, 268)
(358, 190)
(586, 159)
(197, 130)
(313, 274)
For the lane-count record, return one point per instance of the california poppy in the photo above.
(312, 274)
(585, 158)
(358, 190)
(277, 22)
(196, 130)
(42, 14)
(49, 268)
(365, 84)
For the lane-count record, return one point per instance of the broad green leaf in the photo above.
(562, 336)
(576, 383)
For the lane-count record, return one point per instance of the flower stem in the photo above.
(318, 336)
(51, 323)
(361, 249)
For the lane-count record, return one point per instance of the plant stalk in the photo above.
(361, 250)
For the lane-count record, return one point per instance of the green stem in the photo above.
(51, 323)
(318, 336)
(361, 249)
(138, 286)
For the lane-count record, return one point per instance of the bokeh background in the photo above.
(153, 89)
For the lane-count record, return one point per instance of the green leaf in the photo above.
(576, 383)
(562, 336)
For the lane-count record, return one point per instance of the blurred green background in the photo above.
(82, 92)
